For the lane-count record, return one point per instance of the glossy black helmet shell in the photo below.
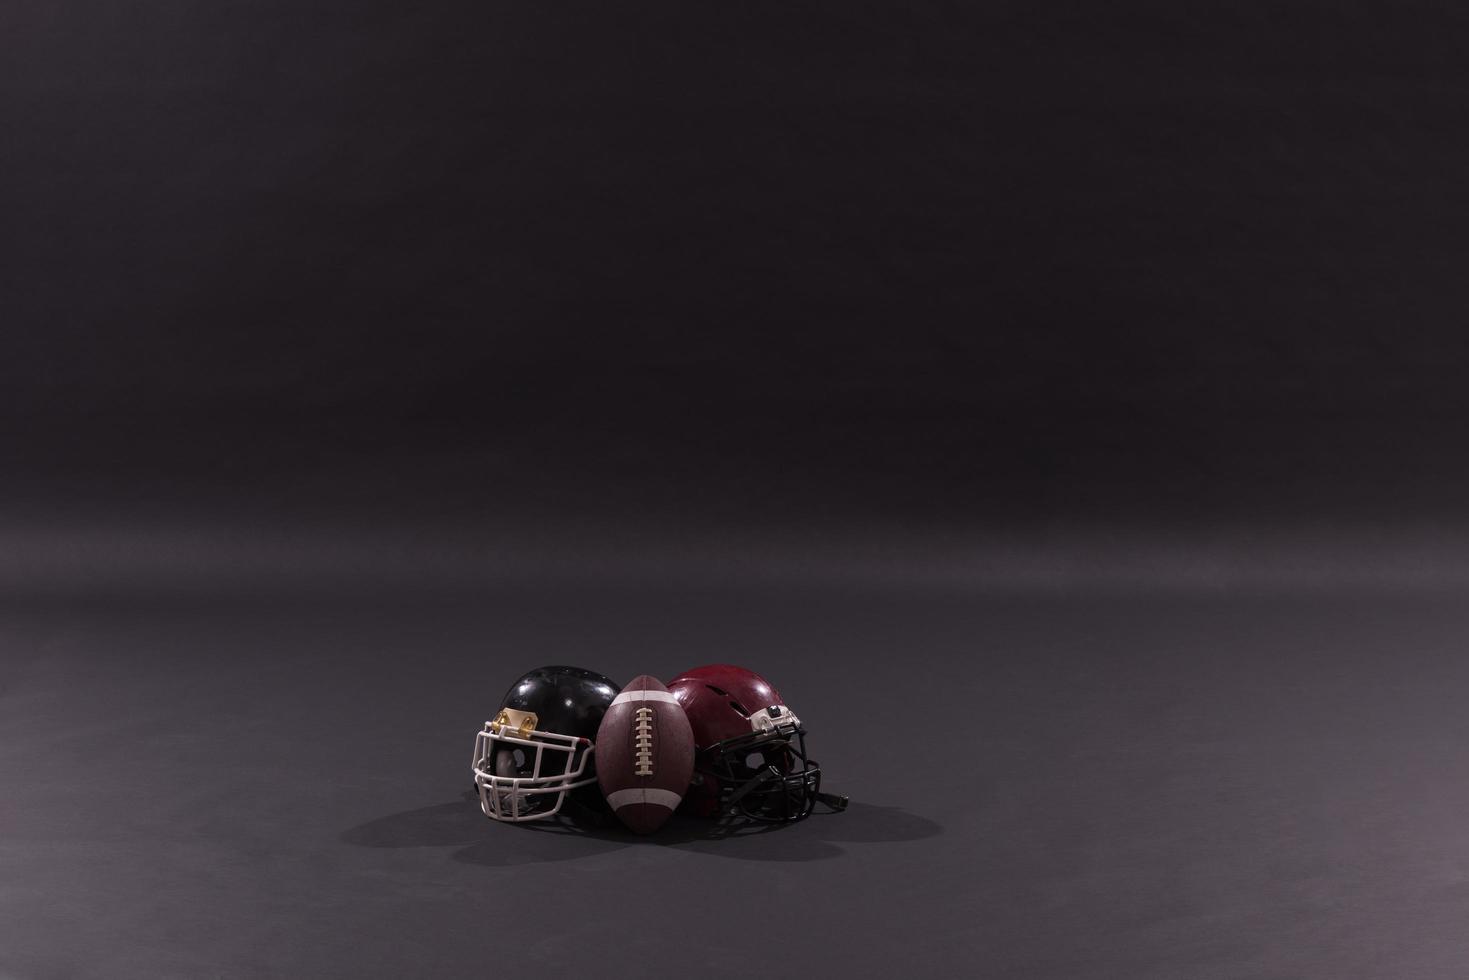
(566, 700)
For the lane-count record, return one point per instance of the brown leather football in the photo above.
(645, 754)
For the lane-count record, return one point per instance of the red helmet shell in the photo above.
(719, 700)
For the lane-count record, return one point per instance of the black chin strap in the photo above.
(585, 815)
(766, 775)
(836, 801)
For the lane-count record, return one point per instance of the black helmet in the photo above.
(539, 747)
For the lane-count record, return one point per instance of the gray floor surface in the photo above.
(1132, 784)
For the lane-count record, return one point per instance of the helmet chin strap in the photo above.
(766, 775)
(837, 801)
(582, 814)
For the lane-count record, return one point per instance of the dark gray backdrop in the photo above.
(1063, 405)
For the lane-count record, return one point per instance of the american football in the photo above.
(645, 754)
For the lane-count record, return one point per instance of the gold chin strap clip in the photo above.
(512, 722)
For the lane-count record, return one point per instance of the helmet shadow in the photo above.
(574, 836)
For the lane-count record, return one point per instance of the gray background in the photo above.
(1063, 405)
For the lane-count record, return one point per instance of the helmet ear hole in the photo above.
(510, 761)
(755, 760)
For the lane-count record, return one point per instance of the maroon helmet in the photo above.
(751, 749)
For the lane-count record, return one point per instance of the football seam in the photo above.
(643, 740)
